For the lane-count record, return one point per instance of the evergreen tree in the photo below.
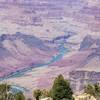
(61, 89)
(94, 90)
(37, 93)
(10, 96)
(4, 90)
(44, 93)
(6, 94)
(19, 96)
(90, 89)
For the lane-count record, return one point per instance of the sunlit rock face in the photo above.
(40, 39)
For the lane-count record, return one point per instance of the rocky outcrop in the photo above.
(81, 78)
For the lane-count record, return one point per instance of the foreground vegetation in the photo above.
(60, 90)
(94, 90)
(6, 94)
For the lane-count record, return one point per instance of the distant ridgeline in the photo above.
(32, 1)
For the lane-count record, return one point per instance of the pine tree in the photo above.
(37, 93)
(94, 90)
(61, 89)
(19, 96)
